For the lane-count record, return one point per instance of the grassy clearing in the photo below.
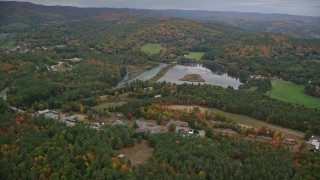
(245, 120)
(195, 55)
(290, 92)
(151, 48)
(7, 42)
(253, 88)
(7, 45)
(138, 154)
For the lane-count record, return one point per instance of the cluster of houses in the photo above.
(180, 127)
(48, 114)
(257, 77)
(75, 59)
(70, 120)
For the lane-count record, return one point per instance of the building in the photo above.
(121, 156)
(157, 96)
(314, 143)
(94, 125)
(48, 114)
(118, 123)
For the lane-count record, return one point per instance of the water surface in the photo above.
(143, 77)
(179, 71)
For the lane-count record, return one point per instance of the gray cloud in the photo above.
(295, 7)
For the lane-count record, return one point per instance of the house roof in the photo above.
(118, 123)
(315, 143)
(121, 156)
(44, 111)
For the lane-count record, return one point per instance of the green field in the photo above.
(151, 48)
(195, 55)
(290, 92)
(7, 45)
(7, 41)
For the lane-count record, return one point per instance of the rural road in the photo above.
(3, 93)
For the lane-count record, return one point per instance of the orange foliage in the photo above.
(93, 62)
(5, 67)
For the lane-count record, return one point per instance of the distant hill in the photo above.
(31, 14)
(296, 26)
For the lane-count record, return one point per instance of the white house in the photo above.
(157, 96)
(313, 142)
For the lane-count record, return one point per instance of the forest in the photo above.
(70, 60)
(39, 148)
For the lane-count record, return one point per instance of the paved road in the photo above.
(3, 93)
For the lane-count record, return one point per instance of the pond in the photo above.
(143, 77)
(179, 71)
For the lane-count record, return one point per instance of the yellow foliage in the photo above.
(202, 174)
(124, 168)
(81, 108)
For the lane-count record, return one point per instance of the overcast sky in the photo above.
(295, 7)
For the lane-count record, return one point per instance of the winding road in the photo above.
(3, 93)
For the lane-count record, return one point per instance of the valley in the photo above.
(118, 93)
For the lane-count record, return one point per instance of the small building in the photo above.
(49, 114)
(314, 143)
(70, 119)
(75, 59)
(157, 96)
(118, 123)
(44, 111)
(95, 125)
(148, 89)
(121, 156)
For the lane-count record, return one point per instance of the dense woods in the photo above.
(255, 104)
(41, 148)
(70, 60)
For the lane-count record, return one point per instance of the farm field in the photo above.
(195, 55)
(290, 92)
(151, 48)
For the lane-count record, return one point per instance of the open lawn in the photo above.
(6, 41)
(138, 154)
(290, 92)
(151, 48)
(8, 45)
(195, 55)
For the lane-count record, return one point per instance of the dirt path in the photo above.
(244, 120)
